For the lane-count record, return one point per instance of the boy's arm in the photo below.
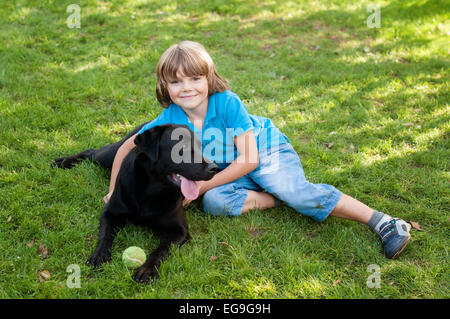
(123, 151)
(246, 162)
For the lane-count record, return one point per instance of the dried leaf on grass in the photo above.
(416, 226)
(329, 145)
(44, 275)
(226, 244)
(43, 251)
(337, 282)
(256, 232)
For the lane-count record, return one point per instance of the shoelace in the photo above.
(387, 229)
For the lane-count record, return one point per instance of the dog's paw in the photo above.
(97, 259)
(145, 274)
(62, 162)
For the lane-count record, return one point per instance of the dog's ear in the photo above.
(148, 142)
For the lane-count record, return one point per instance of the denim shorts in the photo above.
(279, 173)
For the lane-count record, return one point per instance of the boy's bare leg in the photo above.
(260, 200)
(352, 209)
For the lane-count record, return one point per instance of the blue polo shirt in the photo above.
(226, 118)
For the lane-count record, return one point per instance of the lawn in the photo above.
(366, 108)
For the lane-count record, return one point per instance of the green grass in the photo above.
(314, 67)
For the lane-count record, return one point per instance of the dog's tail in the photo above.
(103, 156)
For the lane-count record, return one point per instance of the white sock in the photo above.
(378, 219)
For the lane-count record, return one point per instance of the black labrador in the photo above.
(149, 190)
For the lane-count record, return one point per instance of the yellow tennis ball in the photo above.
(133, 257)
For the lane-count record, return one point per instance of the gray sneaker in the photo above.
(394, 236)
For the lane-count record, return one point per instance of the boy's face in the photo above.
(189, 92)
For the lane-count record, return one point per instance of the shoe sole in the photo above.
(401, 249)
(404, 245)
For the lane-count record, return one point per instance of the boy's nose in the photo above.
(187, 86)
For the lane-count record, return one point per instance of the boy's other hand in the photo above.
(186, 202)
(107, 197)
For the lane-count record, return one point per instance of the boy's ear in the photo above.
(148, 142)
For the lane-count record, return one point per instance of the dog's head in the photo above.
(175, 151)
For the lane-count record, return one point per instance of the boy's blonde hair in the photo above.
(194, 60)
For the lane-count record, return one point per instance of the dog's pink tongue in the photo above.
(189, 188)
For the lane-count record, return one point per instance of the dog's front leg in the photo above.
(149, 270)
(109, 227)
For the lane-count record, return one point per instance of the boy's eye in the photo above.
(196, 78)
(173, 82)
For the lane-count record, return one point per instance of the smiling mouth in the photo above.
(188, 96)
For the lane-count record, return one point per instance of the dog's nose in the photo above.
(212, 168)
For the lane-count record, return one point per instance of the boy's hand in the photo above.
(202, 187)
(107, 197)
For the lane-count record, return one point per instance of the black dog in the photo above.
(149, 189)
